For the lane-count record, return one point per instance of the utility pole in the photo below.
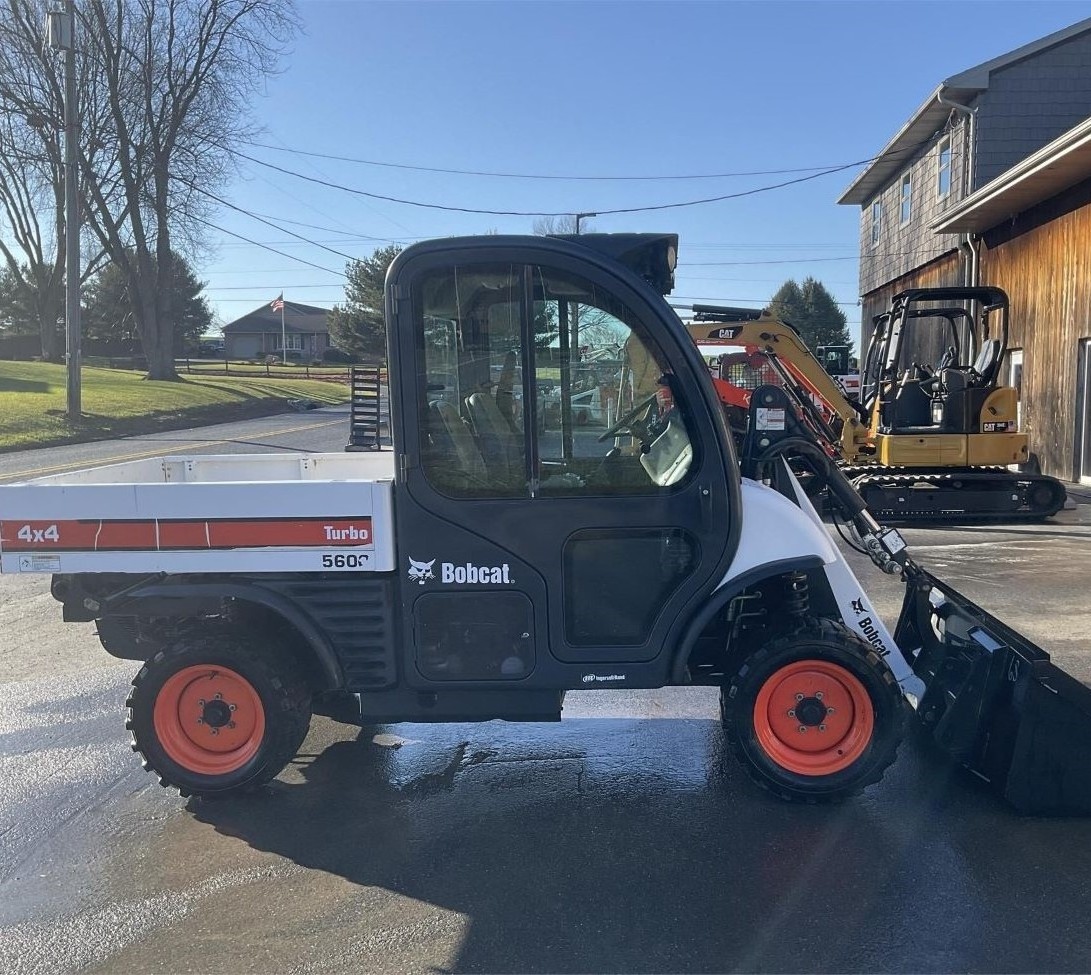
(580, 216)
(62, 35)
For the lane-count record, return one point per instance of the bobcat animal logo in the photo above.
(421, 572)
(858, 606)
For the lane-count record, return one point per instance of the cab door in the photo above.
(566, 487)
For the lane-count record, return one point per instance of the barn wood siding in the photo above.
(1041, 259)
(943, 273)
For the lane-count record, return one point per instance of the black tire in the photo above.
(277, 690)
(833, 647)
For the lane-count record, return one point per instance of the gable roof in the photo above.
(961, 88)
(297, 318)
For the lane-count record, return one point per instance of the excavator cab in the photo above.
(935, 335)
(931, 381)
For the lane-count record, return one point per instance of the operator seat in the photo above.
(500, 445)
(457, 461)
(965, 390)
(986, 363)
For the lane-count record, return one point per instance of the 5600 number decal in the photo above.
(341, 561)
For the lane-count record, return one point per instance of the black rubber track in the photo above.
(825, 640)
(275, 676)
(1040, 496)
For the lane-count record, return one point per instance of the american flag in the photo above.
(277, 304)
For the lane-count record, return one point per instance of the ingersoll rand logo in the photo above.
(466, 573)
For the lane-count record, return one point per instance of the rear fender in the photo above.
(181, 601)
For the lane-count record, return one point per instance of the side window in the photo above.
(907, 198)
(470, 381)
(608, 417)
(943, 177)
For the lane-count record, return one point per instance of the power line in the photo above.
(749, 301)
(601, 211)
(835, 167)
(269, 223)
(543, 176)
(287, 287)
(291, 257)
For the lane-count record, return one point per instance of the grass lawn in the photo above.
(117, 402)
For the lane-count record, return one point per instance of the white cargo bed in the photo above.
(230, 513)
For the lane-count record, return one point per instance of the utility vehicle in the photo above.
(489, 563)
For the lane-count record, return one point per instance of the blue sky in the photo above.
(593, 89)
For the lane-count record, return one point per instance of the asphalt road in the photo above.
(622, 839)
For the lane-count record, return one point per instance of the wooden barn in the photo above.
(1031, 230)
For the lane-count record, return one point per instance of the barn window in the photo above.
(943, 179)
(876, 222)
(907, 198)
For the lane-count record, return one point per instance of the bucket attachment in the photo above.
(995, 702)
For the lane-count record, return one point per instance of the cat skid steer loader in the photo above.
(490, 563)
(924, 443)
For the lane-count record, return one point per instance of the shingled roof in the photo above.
(929, 118)
(297, 318)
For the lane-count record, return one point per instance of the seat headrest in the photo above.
(987, 359)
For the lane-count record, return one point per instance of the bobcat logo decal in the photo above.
(421, 572)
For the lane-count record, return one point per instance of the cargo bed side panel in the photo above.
(237, 526)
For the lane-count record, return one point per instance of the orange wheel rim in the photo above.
(209, 719)
(813, 717)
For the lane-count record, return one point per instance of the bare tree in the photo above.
(176, 80)
(31, 168)
(165, 88)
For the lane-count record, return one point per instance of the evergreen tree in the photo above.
(787, 304)
(358, 327)
(108, 313)
(812, 309)
(17, 313)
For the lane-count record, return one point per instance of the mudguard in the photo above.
(995, 702)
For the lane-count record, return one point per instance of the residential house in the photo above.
(988, 183)
(305, 334)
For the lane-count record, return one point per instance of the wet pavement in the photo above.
(623, 839)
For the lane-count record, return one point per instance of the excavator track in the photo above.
(899, 494)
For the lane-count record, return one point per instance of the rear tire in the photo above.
(218, 713)
(832, 685)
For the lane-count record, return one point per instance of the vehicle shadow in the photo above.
(638, 845)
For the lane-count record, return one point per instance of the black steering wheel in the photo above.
(625, 421)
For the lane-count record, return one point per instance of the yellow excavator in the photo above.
(926, 442)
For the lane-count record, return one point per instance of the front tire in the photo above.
(814, 716)
(218, 713)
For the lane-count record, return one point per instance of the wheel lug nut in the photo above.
(201, 702)
(829, 711)
(799, 697)
(802, 729)
(219, 697)
(792, 713)
(200, 721)
(215, 731)
(818, 694)
(231, 724)
(231, 707)
(821, 727)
